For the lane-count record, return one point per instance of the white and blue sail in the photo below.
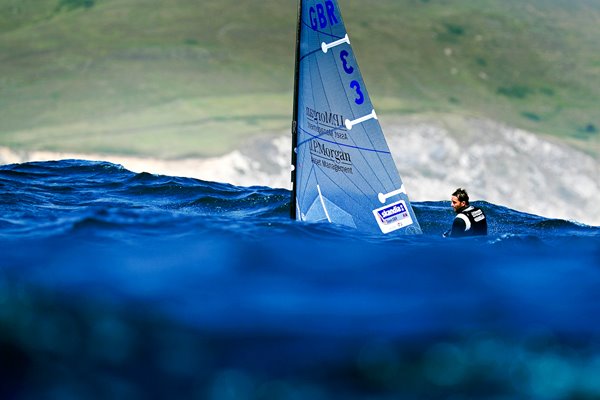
(342, 169)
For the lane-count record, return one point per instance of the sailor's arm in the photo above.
(458, 227)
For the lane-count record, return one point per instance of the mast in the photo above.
(295, 112)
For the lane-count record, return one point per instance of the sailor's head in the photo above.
(459, 200)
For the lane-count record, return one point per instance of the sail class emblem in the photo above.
(342, 169)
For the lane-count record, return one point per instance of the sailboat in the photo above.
(342, 168)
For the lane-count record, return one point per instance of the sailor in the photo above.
(469, 220)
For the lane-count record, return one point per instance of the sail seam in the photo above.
(340, 144)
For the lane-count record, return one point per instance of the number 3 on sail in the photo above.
(342, 169)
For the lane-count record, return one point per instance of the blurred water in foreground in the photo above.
(122, 285)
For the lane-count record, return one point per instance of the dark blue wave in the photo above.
(116, 284)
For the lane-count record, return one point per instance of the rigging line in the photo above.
(338, 143)
(317, 136)
(310, 53)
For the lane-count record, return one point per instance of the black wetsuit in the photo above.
(470, 221)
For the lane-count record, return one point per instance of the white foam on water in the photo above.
(494, 162)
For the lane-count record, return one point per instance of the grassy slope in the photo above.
(190, 77)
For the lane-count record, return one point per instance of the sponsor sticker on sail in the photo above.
(392, 216)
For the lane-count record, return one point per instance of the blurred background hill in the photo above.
(197, 78)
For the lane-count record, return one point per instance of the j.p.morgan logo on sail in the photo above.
(393, 216)
(322, 150)
(324, 156)
(325, 117)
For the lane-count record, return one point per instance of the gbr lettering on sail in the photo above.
(322, 15)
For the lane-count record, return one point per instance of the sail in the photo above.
(342, 169)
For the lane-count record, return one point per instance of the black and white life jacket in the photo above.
(475, 223)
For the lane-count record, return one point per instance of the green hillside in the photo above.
(189, 77)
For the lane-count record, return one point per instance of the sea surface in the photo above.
(121, 285)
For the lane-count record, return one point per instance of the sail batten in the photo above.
(343, 170)
(350, 124)
(326, 46)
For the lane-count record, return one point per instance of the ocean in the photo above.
(116, 284)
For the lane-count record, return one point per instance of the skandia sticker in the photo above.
(392, 217)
